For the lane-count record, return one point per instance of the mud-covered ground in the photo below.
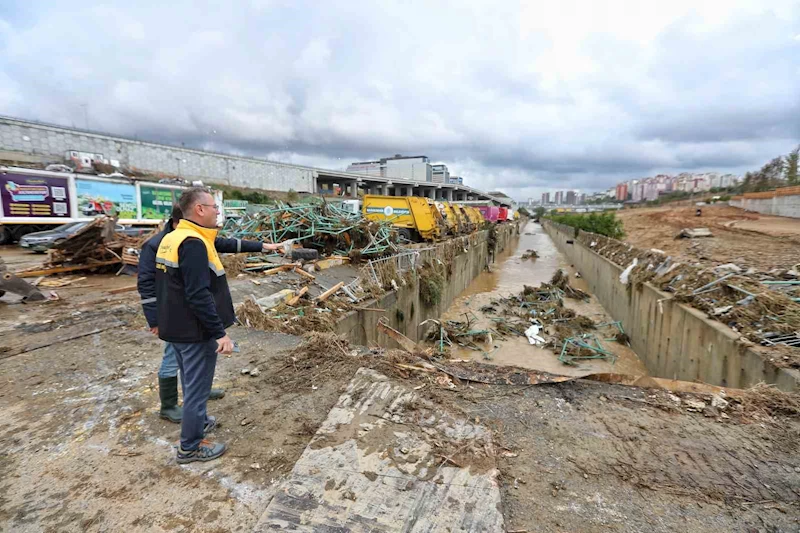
(747, 239)
(84, 449)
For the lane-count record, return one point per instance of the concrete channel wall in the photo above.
(673, 340)
(404, 309)
(784, 202)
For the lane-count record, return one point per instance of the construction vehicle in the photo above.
(415, 218)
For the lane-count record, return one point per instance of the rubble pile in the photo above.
(762, 306)
(96, 243)
(323, 227)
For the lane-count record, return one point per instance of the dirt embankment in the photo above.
(746, 239)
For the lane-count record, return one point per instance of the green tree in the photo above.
(790, 169)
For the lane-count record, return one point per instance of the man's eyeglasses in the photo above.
(215, 206)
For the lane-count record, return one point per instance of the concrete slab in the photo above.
(386, 461)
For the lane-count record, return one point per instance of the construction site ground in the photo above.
(83, 448)
(744, 238)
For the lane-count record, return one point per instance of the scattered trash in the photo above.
(255, 372)
(623, 278)
(694, 405)
(533, 335)
(530, 254)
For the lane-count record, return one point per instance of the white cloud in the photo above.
(524, 96)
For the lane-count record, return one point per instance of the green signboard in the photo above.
(157, 202)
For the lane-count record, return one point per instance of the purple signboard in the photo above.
(34, 196)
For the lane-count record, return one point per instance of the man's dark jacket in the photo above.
(146, 283)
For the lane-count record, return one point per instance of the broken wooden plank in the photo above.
(128, 288)
(59, 270)
(330, 292)
(55, 283)
(296, 298)
(304, 273)
(282, 268)
(369, 309)
(387, 461)
(404, 342)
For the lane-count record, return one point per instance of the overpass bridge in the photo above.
(351, 183)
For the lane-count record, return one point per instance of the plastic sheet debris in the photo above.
(532, 333)
(623, 278)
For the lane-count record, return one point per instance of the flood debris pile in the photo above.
(296, 311)
(764, 307)
(323, 227)
(447, 333)
(530, 254)
(537, 314)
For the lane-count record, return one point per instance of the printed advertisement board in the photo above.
(157, 202)
(105, 198)
(34, 196)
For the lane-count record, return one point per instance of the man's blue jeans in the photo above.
(169, 363)
(196, 362)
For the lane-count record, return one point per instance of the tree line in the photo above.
(781, 171)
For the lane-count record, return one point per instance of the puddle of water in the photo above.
(509, 274)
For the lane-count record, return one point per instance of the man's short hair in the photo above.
(177, 214)
(190, 198)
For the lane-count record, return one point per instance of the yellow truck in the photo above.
(416, 218)
(449, 217)
(475, 216)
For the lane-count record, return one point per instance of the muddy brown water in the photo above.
(508, 275)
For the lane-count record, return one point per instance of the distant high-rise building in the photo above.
(559, 197)
(440, 174)
(622, 192)
(571, 198)
(545, 198)
(582, 199)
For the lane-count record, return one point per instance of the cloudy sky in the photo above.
(519, 96)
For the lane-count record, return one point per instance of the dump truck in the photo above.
(502, 215)
(415, 218)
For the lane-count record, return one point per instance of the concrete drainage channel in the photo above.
(673, 340)
(445, 269)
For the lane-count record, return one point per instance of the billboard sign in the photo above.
(106, 198)
(34, 196)
(157, 202)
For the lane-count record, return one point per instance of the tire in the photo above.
(406, 234)
(305, 254)
(5, 236)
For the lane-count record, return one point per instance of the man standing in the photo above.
(194, 307)
(146, 284)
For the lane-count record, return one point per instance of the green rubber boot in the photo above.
(216, 394)
(168, 391)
